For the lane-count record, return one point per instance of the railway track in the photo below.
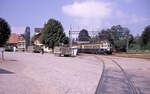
(132, 88)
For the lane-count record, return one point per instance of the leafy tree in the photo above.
(83, 35)
(131, 39)
(53, 34)
(94, 39)
(4, 32)
(136, 43)
(107, 35)
(32, 40)
(118, 36)
(145, 37)
(27, 36)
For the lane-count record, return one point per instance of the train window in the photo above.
(105, 45)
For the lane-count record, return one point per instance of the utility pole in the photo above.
(2, 49)
(127, 43)
(70, 36)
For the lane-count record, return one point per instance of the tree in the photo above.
(27, 36)
(32, 40)
(118, 36)
(4, 34)
(53, 34)
(94, 39)
(146, 36)
(107, 35)
(83, 35)
(136, 43)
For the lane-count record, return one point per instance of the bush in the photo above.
(135, 47)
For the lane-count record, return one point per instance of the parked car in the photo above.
(37, 49)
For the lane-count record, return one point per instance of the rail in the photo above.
(99, 87)
(133, 89)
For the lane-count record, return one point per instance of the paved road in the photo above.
(30, 73)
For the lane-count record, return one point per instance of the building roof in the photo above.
(13, 38)
(37, 30)
(21, 35)
(21, 38)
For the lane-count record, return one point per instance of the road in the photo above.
(31, 73)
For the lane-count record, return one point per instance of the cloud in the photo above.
(88, 9)
(138, 20)
(88, 13)
(18, 30)
(126, 19)
(97, 15)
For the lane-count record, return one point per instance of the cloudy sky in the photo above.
(89, 14)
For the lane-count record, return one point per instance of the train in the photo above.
(103, 47)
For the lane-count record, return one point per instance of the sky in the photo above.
(93, 15)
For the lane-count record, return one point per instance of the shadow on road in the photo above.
(12, 60)
(3, 71)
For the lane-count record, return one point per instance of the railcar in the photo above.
(65, 51)
(99, 48)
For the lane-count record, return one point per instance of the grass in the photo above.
(138, 52)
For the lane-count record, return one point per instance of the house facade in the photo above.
(12, 42)
(37, 33)
(21, 43)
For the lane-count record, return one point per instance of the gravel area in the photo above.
(114, 80)
(13, 80)
(34, 73)
(48, 74)
(138, 71)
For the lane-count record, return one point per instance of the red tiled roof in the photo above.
(13, 38)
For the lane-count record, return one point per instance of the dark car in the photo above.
(37, 49)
